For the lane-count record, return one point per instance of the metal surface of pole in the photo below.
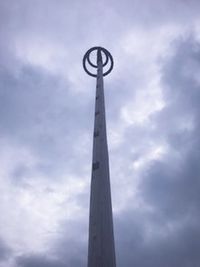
(101, 248)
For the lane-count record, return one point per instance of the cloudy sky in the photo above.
(46, 125)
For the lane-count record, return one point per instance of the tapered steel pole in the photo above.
(101, 248)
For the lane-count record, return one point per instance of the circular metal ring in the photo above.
(89, 53)
(87, 58)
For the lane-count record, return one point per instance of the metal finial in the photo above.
(100, 50)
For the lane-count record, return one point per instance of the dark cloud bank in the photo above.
(169, 234)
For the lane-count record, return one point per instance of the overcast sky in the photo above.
(46, 126)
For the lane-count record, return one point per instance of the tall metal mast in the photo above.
(101, 249)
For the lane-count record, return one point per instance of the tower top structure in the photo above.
(101, 248)
(99, 50)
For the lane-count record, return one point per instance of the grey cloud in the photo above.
(70, 244)
(171, 185)
(143, 240)
(155, 13)
(180, 248)
(38, 261)
(5, 251)
(35, 108)
(166, 233)
(45, 261)
(69, 248)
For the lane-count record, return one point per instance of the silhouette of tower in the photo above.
(101, 249)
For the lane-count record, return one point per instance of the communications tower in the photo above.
(101, 248)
